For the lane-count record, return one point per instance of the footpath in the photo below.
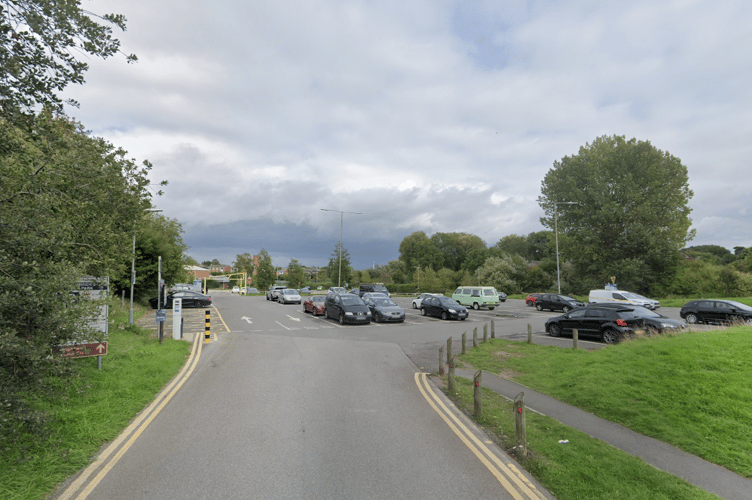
(694, 470)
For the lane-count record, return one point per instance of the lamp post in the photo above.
(341, 223)
(133, 266)
(556, 232)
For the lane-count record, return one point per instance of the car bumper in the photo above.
(357, 320)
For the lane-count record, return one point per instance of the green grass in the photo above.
(585, 468)
(691, 390)
(95, 408)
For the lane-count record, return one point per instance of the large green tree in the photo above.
(265, 272)
(295, 274)
(418, 250)
(44, 45)
(624, 205)
(455, 248)
(340, 270)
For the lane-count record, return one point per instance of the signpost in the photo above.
(177, 313)
(82, 350)
(90, 288)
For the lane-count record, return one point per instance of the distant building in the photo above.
(198, 272)
(221, 268)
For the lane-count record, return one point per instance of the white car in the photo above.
(289, 296)
(235, 289)
(419, 299)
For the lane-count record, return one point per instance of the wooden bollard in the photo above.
(450, 377)
(478, 394)
(520, 430)
(475, 337)
(493, 330)
(529, 333)
(441, 360)
(485, 333)
(575, 339)
(464, 343)
(449, 349)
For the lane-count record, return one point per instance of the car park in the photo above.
(383, 308)
(621, 297)
(273, 292)
(443, 307)
(556, 302)
(608, 324)
(716, 311)
(190, 299)
(417, 300)
(289, 296)
(347, 308)
(655, 323)
(531, 298)
(373, 287)
(315, 304)
(477, 297)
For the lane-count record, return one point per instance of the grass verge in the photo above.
(95, 408)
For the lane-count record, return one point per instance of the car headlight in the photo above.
(452, 311)
(368, 313)
(348, 313)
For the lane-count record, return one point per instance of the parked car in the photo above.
(443, 307)
(190, 299)
(336, 289)
(530, 299)
(654, 323)
(417, 300)
(347, 308)
(383, 308)
(606, 323)
(314, 304)
(715, 311)
(273, 292)
(305, 290)
(235, 289)
(478, 297)
(289, 296)
(621, 297)
(248, 290)
(373, 287)
(556, 302)
(373, 295)
(502, 297)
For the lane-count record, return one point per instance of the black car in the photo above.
(606, 323)
(654, 322)
(346, 308)
(383, 308)
(373, 287)
(715, 311)
(443, 307)
(190, 299)
(556, 302)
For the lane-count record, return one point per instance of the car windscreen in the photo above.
(319, 298)
(564, 297)
(352, 301)
(739, 305)
(448, 301)
(384, 302)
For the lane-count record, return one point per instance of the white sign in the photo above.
(177, 314)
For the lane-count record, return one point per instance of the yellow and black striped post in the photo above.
(207, 328)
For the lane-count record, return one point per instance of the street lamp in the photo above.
(556, 231)
(133, 266)
(341, 223)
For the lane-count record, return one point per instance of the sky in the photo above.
(417, 115)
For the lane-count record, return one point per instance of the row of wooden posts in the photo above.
(519, 401)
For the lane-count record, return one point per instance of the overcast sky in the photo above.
(435, 116)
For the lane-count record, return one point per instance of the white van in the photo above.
(622, 297)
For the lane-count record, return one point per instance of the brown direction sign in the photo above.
(82, 350)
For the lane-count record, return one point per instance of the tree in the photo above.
(265, 271)
(514, 244)
(295, 274)
(339, 265)
(43, 48)
(630, 215)
(244, 264)
(455, 247)
(419, 250)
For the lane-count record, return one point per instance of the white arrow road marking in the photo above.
(247, 319)
(294, 319)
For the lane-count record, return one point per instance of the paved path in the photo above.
(692, 469)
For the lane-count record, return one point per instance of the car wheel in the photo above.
(341, 318)
(554, 330)
(415, 306)
(476, 306)
(566, 309)
(490, 308)
(651, 331)
(422, 311)
(610, 336)
(691, 318)
(443, 315)
(539, 307)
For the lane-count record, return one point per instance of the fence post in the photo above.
(464, 343)
(450, 378)
(575, 339)
(441, 361)
(475, 337)
(485, 332)
(449, 349)
(520, 431)
(478, 394)
(529, 333)
(493, 330)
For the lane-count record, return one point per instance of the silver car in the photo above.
(383, 308)
(289, 296)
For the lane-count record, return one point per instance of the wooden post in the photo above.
(529, 333)
(450, 377)
(478, 394)
(475, 337)
(493, 330)
(464, 343)
(575, 339)
(520, 431)
(441, 361)
(485, 333)
(449, 349)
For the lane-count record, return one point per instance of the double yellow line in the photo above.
(102, 465)
(508, 475)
